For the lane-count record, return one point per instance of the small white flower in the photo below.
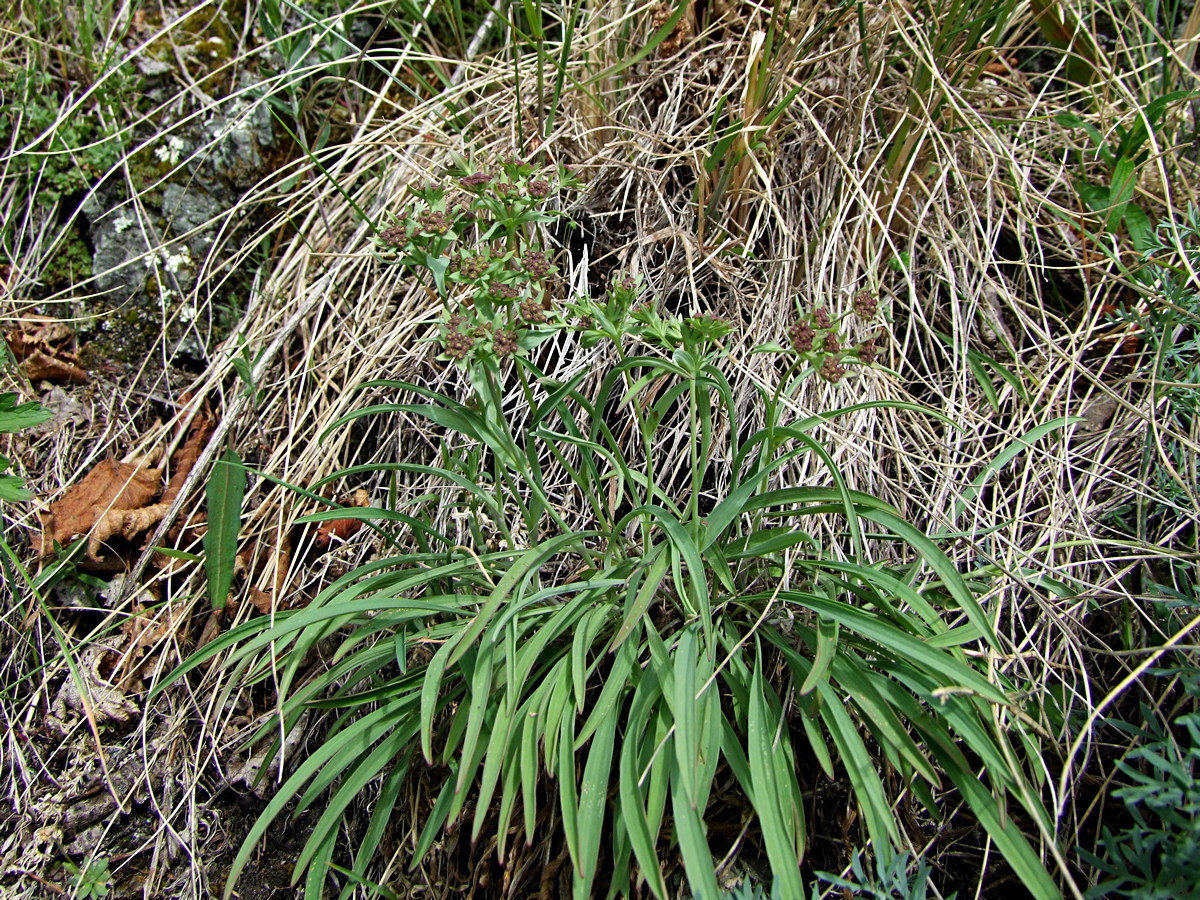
(188, 313)
(176, 261)
(121, 223)
(170, 151)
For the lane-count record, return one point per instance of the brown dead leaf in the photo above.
(117, 500)
(44, 348)
(126, 523)
(108, 488)
(261, 600)
(184, 459)
(40, 366)
(336, 530)
(38, 331)
(340, 530)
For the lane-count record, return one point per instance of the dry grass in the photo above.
(978, 208)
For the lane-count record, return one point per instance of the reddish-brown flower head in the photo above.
(866, 351)
(865, 305)
(475, 180)
(504, 343)
(832, 370)
(458, 345)
(433, 221)
(532, 311)
(395, 236)
(801, 335)
(536, 264)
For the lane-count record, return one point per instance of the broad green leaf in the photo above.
(19, 416)
(12, 488)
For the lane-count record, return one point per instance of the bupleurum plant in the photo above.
(640, 650)
(476, 239)
(818, 340)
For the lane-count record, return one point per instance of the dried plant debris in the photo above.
(109, 488)
(45, 349)
(337, 531)
(118, 500)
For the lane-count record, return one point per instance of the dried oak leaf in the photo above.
(43, 347)
(261, 600)
(126, 523)
(110, 487)
(184, 459)
(340, 530)
(40, 366)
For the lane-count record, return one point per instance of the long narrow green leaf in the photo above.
(521, 569)
(593, 798)
(568, 799)
(430, 689)
(223, 497)
(827, 647)
(693, 842)
(868, 789)
(769, 770)
(684, 708)
(659, 562)
(479, 710)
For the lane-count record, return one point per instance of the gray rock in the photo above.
(185, 210)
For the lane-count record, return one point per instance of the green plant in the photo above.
(893, 878)
(1164, 514)
(667, 620)
(92, 880)
(1123, 155)
(16, 417)
(1155, 855)
(53, 154)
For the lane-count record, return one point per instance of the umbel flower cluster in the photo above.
(474, 238)
(474, 235)
(817, 339)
